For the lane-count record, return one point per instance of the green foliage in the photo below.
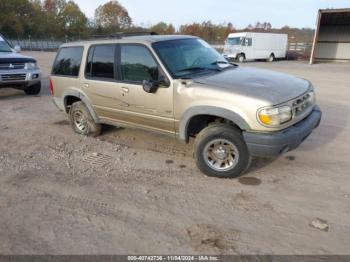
(41, 19)
(15, 16)
(163, 28)
(208, 31)
(73, 21)
(112, 17)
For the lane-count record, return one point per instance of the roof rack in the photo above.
(120, 35)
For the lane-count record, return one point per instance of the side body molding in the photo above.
(84, 99)
(209, 110)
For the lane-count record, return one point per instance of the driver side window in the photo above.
(137, 64)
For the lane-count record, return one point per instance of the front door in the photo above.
(149, 110)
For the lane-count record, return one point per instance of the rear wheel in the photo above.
(82, 121)
(34, 89)
(220, 151)
(271, 58)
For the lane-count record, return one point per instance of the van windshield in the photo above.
(4, 46)
(184, 57)
(234, 40)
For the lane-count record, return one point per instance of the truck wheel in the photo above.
(82, 121)
(271, 58)
(220, 151)
(33, 90)
(240, 58)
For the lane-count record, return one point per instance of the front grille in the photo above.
(13, 77)
(301, 104)
(11, 66)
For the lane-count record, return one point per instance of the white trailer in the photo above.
(252, 46)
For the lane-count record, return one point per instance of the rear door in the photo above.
(100, 82)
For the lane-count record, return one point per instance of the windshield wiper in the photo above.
(197, 68)
(219, 62)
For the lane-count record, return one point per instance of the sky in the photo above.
(295, 13)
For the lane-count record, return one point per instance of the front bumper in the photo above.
(230, 55)
(19, 78)
(276, 143)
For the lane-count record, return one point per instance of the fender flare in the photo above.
(243, 54)
(84, 99)
(209, 110)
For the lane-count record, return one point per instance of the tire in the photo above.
(33, 90)
(271, 58)
(82, 121)
(241, 58)
(205, 157)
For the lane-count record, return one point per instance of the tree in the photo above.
(249, 28)
(163, 28)
(113, 17)
(54, 6)
(73, 20)
(14, 16)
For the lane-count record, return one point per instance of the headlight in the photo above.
(275, 116)
(311, 98)
(30, 66)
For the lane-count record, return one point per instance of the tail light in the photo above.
(51, 87)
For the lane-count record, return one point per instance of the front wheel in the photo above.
(34, 89)
(241, 58)
(220, 151)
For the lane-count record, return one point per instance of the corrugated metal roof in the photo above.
(336, 18)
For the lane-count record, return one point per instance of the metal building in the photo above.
(332, 36)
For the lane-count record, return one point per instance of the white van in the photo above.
(250, 46)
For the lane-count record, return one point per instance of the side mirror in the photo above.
(150, 86)
(17, 49)
(163, 81)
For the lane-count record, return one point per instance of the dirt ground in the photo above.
(133, 192)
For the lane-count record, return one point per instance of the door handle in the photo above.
(86, 85)
(125, 89)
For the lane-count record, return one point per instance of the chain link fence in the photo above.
(37, 44)
(295, 50)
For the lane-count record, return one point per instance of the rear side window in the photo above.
(100, 62)
(68, 61)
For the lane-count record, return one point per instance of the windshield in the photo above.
(4, 47)
(234, 40)
(186, 57)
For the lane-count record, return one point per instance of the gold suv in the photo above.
(181, 86)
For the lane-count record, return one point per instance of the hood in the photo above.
(15, 58)
(263, 84)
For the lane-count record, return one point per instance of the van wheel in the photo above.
(241, 58)
(271, 58)
(34, 89)
(220, 151)
(82, 121)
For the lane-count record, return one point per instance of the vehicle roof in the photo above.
(130, 39)
(237, 34)
(254, 33)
